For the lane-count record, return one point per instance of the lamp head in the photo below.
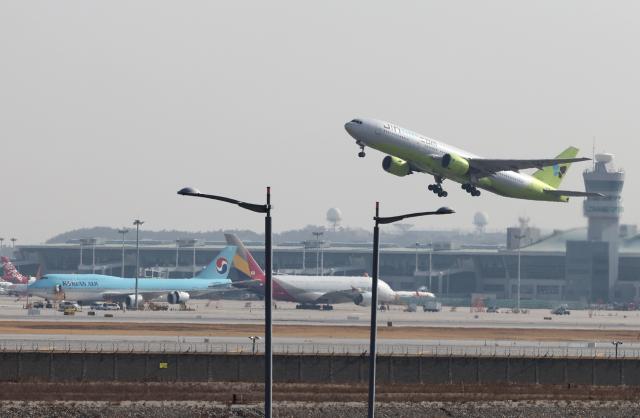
(445, 211)
(186, 191)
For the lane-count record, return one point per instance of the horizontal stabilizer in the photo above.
(571, 193)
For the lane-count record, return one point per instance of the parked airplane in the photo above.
(316, 290)
(12, 280)
(86, 288)
(411, 152)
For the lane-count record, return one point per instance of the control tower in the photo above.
(603, 213)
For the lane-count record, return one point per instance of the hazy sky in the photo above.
(108, 108)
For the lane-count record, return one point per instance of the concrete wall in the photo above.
(157, 367)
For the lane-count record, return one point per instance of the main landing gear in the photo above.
(361, 154)
(471, 189)
(437, 188)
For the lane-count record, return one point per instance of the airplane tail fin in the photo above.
(220, 266)
(554, 174)
(244, 261)
(11, 274)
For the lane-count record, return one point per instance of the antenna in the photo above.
(593, 154)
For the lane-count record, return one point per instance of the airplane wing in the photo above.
(147, 295)
(570, 193)
(489, 166)
(341, 296)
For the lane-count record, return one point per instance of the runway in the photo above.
(224, 326)
(238, 312)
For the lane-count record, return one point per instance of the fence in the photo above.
(489, 349)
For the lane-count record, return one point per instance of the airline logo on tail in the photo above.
(243, 261)
(11, 274)
(222, 265)
(219, 268)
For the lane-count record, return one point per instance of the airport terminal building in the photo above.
(596, 264)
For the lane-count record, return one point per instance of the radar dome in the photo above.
(480, 220)
(604, 158)
(334, 217)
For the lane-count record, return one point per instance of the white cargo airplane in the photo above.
(410, 152)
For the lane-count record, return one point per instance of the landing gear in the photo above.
(471, 189)
(437, 188)
(361, 154)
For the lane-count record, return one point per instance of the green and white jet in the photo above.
(409, 152)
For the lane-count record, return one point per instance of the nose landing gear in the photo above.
(437, 188)
(361, 154)
(471, 189)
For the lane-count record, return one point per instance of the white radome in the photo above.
(480, 219)
(334, 215)
(604, 158)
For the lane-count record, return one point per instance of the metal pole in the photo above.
(137, 223)
(193, 269)
(93, 258)
(177, 254)
(417, 245)
(268, 293)
(304, 253)
(322, 261)
(123, 231)
(430, 253)
(518, 303)
(374, 321)
(80, 253)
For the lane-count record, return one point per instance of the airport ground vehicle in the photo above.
(69, 305)
(492, 309)
(98, 306)
(432, 306)
(561, 310)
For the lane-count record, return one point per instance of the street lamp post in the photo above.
(93, 257)
(616, 344)
(318, 234)
(13, 242)
(193, 267)
(123, 231)
(268, 292)
(519, 237)
(138, 223)
(1, 243)
(416, 271)
(304, 253)
(374, 292)
(430, 266)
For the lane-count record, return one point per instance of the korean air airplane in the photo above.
(409, 152)
(86, 288)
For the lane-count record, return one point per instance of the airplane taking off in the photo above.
(409, 152)
(86, 288)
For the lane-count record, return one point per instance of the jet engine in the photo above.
(363, 299)
(176, 297)
(396, 166)
(455, 164)
(130, 301)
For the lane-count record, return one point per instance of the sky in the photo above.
(108, 108)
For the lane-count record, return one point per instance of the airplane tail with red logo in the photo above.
(11, 274)
(220, 266)
(243, 261)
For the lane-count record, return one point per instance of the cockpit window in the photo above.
(358, 121)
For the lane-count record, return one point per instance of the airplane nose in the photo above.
(350, 128)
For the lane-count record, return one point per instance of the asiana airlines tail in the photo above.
(409, 152)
